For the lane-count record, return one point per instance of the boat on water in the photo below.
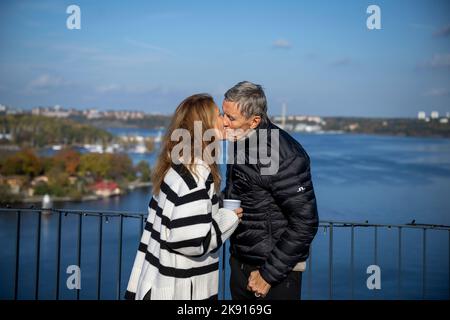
(158, 138)
(47, 203)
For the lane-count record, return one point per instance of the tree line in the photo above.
(39, 131)
(68, 173)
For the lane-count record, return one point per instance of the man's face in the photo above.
(236, 125)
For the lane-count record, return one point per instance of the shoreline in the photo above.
(388, 135)
(131, 187)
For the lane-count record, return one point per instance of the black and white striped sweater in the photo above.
(178, 255)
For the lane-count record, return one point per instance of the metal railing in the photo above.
(103, 217)
(80, 214)
(332, 225)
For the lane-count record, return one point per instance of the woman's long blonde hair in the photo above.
(199, 107)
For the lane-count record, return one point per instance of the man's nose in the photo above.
(226, 122)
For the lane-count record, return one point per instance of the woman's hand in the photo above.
(239, 212)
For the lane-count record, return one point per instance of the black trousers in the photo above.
(289, 289)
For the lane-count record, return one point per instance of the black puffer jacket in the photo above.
(280, 212)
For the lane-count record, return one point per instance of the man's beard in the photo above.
(237, 134)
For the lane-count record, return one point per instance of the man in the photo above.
(280, 213)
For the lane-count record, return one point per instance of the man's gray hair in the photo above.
(250, 99)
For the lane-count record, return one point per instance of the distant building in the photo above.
(95, 148)
(72, 179)
(443, 120)
(9, 110)
(302, 127)
(36, 111)
(277, 118)
(5, 136)
(299, 123)
(447, 114)
(15, 183)
(39, 180)
(53, 112)
(316, 120)
(434, 115)
(30, 192)
(119, 114)
(421, 115)
(92, 114)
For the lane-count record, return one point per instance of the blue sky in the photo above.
(318, 57)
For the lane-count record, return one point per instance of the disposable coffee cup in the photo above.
(231, 204)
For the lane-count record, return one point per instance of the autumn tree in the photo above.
(121, 167)
(96, 165)
(143, 169)
(24, 162)
(68, 160)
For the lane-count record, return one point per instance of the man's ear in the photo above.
(255, 122)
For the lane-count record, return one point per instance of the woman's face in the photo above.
(218, 125)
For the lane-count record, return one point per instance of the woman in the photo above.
(178, 253)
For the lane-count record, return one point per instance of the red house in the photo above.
(106, 188)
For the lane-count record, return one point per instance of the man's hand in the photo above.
(257, 284)
(239, 213)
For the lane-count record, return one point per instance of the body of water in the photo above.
(357, 178)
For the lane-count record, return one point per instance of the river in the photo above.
(380, 179)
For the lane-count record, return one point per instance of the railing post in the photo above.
(352, 262)
(330, 262)
(58, 254)
(375, 249)
(424, 263)
(99, 267)
(119, 280)
(38, 255)
(399, 262)
(16, 271)
(80, 234)
(310, 264)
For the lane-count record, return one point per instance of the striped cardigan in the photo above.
(178, 255)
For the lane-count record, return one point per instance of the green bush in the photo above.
(42, 189)
(6, 196)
